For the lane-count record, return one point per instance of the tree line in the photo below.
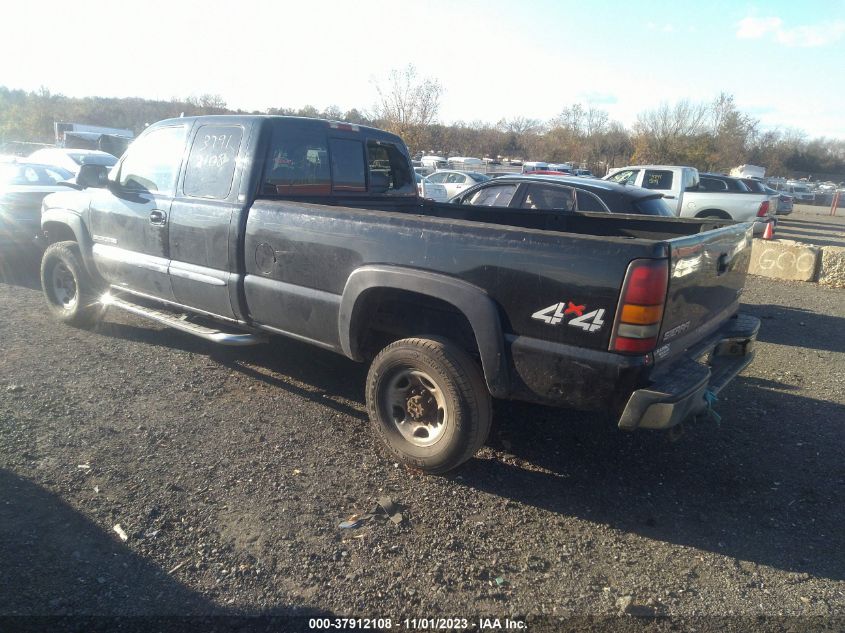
(713, 136)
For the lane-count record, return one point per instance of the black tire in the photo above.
(455, 415)
(72, 299)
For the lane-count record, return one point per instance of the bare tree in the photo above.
(408, 104)
(520, 125)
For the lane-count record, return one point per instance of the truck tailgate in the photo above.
(706, 276)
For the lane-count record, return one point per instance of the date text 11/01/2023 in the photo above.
(418, 624)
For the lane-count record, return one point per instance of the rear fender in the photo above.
(478, 308)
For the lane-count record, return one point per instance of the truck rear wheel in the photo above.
(428, 402)
(69, 291)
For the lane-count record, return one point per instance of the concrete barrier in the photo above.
(832, 271)
(784, 259)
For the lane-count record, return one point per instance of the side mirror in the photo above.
(92, 176)
(379, 181)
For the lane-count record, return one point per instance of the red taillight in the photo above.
(641, 305)
(763, 211)
(646, 282)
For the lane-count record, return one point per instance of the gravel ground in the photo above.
(229, 470)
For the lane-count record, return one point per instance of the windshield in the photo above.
(653, 206)
(93, 159)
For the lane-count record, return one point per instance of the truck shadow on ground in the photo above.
(767, 485)
(21, 269)
(59, 565)
(799, 327)
(303, 370)
(57, 562)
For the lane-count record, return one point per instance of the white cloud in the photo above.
(807, 36)
(751, 28)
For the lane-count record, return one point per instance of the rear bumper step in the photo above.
(679, 391)
(179, 322)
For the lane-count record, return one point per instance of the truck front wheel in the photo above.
(428, 402)
(67, 287)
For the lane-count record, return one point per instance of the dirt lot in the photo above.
(230, 471)
(813, 225)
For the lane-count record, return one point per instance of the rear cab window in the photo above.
(297, 161)
(386, 158)
(315, 159)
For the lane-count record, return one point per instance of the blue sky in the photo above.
(781, 60)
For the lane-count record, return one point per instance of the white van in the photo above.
(466, 163)
(434, 162)
(534, 166)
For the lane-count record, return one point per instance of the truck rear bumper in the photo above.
(677, 391)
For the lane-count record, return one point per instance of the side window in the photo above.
(493, 196)
(588, 201)
(297, 162)
(211, 163)
(54, 175)
(387, 158)
(625, 177)
(543, 197)
(438, 177)
(347, 165)
(711, 184)
(657, 179)
(152, 162)
(690, 180)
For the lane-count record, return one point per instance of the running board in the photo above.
(178, 322)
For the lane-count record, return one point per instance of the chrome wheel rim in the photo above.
(417, 407)
(64, 286)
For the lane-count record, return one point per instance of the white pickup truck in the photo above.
(683, 191)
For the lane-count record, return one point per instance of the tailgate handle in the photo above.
(723, 264)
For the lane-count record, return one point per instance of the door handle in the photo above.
(158, 217)
(669, 197)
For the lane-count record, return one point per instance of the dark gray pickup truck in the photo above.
(255, 226)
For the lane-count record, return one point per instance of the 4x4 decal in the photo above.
(554, 314)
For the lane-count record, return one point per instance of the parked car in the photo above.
(431, 190)
(71, 159)
(584, 173)
(682, 189)
(23, 186)
(450, 306)
(799, 191)
(784, 200)
(563, 194)
(758, 186)
(456, 181)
